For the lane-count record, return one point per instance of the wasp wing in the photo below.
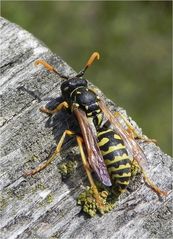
(132, 146)
(95, 157)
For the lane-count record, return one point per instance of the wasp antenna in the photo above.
(93, 57)
(45, 64)
(49, 67)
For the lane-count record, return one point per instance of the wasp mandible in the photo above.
(110, 148)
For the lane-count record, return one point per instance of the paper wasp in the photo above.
(106, 147)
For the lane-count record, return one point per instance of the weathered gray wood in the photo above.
(44, 206)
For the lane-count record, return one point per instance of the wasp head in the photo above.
(70, 85)
(78, 86)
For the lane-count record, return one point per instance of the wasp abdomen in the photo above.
(116, 158)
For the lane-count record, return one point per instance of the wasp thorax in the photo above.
(86, 99)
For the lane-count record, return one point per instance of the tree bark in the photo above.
(44, 205)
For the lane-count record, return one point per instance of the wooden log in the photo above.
(44, 206)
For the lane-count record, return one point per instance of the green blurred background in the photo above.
(134, 40)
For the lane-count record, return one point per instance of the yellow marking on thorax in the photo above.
(116, 159)
(113, 148)
(104, 132)
(103, 142)
(116, 136)
(99, 117)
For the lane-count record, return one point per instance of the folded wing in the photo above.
(94, 155)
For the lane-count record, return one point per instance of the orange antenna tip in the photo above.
(96, 55)
(45, 64)
(93, 57)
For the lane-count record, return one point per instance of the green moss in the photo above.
(45, 201)
(135, 169)
(49, 198)
(91, 206)
(67, 168)
(40, 186)
(3, 202)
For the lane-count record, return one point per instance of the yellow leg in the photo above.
(46, 163)
(84, 161)
(137, 169)
(132, 131)
(97, 197)
(42, 166)
(153, 186)
(61, 106)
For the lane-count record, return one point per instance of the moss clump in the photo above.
(135, 169)
(40, 186)
(3, 202)
(49, 198)
(67, 168)
(91, 206)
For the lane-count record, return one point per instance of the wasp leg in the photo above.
(84, 161)
(63, 105)
(88, 172)
(137, 169)
(57, 150)
(153, 186)
(132, 131)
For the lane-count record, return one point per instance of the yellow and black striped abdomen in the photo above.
(116, 159)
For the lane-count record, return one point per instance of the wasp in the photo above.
(106, 146)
